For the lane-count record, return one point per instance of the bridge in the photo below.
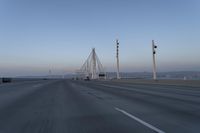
(100, 106)
(92, 68)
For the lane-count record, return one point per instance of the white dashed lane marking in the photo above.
(140, 121)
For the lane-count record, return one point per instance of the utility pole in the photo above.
(154, 60)
(117, 56)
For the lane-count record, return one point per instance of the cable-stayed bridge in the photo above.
(92, 67)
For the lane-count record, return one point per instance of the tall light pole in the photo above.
(117, 56)
(154, 60)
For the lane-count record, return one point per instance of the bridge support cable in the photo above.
(92, 68)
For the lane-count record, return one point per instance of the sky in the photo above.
(41, 35)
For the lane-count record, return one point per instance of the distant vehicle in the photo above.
(87, 78)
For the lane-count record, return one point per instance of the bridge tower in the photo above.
(92, 68)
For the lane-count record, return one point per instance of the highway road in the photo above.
(66, 106)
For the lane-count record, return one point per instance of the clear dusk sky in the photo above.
(39, 35)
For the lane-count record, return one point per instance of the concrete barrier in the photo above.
(194, 83)
(14, 80)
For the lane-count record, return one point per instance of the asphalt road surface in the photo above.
(65, 106)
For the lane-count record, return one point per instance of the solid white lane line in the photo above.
(140, 121)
